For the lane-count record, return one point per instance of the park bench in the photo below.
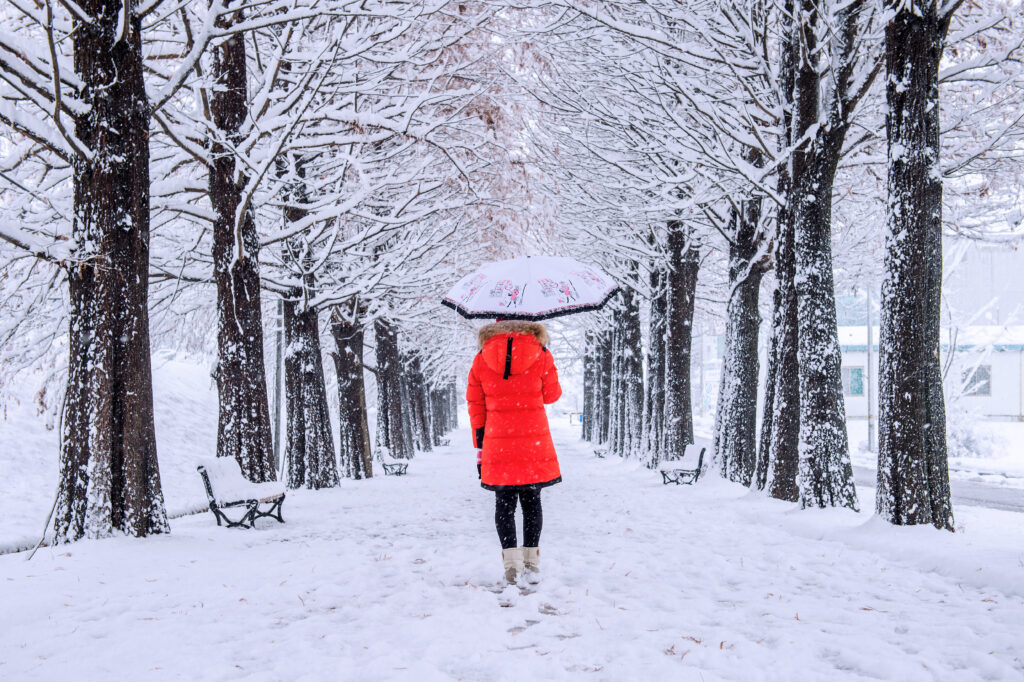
(226, 488)
(443, 442)
(683, 476)
(394, 468)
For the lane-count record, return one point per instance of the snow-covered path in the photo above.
(387, 579)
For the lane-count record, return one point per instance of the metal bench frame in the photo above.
(395, 469)
(252, 506)
(684, 476)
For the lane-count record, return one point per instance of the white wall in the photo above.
(1007, 386)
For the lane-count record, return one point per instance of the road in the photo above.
(965, 492)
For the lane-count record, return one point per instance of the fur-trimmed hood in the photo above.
(536, 329)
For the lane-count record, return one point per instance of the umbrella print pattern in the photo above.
(530, 289)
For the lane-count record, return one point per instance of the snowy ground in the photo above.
(185, 405)
(388, 579)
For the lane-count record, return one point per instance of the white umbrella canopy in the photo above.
(530, 288)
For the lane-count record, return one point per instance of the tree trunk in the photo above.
(418, 407)
(605, 386)
(615, 414)
(391, 433)
(826, 474)
(243, 425)
(736, 416)
(440, 422)
(654, 399)
(632, 395)
(109, 475)
(780, 431)
(355, 457)
(589, 376)
(453, 407)
(767, 415)
(310, 449)
(681, 284)
(913, 474)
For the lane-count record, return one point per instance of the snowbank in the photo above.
(185, 406)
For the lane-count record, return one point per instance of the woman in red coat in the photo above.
(512, 379)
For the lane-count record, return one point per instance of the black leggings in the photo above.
(505, 517)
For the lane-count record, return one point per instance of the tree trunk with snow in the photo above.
(654, 398)
(419, 410)
(784, 440)
(616, 414)
(407, 411)
(310, 448)
(243, 425)
(453, 407)
(391, 435)
(826, 473)
(913, 474)
(605, 367)
(355, 456)
(599, 416)
(109, 479)
(589, 377)
(440, 411)
(681, 285)
(631, 379)
(779, 459)
(736, 416)
(767, 415)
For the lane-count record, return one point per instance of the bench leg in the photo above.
(247, 520)
(274, 512)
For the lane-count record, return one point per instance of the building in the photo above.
(984, 372)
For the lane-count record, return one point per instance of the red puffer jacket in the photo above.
(512, 378)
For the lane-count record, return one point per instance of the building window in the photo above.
(853, 381)
(978, 380)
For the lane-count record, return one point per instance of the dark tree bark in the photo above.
(681, 285)
(355, 457)
(603, 386)
(453, 407)
(441, 419)
(913, 474)
(767, 418)
(736, 416)
(391, 433)
(629, 394)
(243, 425)
(779, 459)
(616, 415)
(589, 377)
(407, 410)
(109, 475)
(784, 445)
(826, 473)
(654, 399)
(419, 411)
(310, 448)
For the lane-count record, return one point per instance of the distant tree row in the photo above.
(727, 139)
(161, 157)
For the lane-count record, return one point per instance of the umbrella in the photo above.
(532, 288)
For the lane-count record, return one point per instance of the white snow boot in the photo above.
(531, 564)
(513, 560)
